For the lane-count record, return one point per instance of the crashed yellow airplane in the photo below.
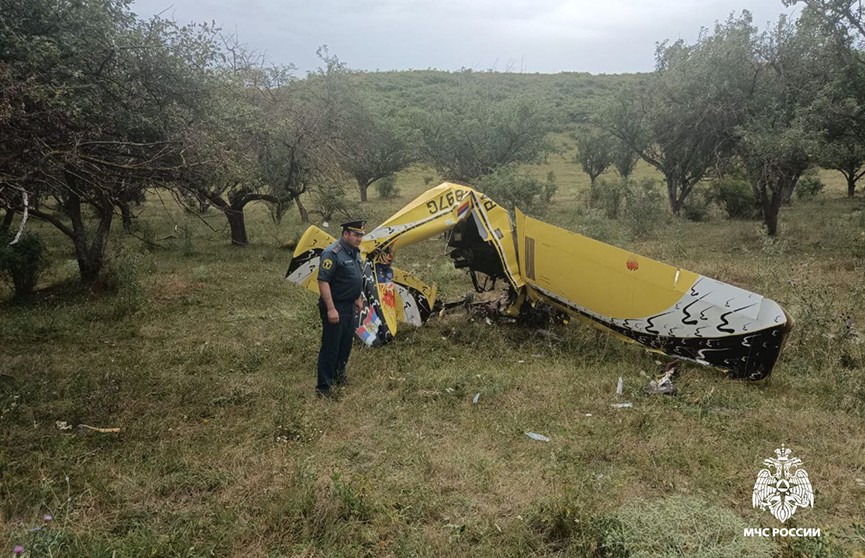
(663, 308)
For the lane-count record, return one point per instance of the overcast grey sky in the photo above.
(600, 36)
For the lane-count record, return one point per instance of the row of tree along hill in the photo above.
(762, 106)
(98, 106)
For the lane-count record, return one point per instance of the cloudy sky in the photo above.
(548, 36)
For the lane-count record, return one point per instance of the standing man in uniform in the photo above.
(339, 282)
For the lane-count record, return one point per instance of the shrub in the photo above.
(696, 207)
(825, 332)
(329, 199)
(549, 189)
(386, 187)
(609, 196)
(594, 225)
(736, 197)
(121, 275)
(808, 186)
(22, 263)
(512, 188)
(645, 207)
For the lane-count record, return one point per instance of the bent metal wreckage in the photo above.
(664, 308)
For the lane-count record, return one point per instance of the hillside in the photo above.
(571, 98)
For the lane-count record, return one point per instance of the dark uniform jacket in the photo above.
(340, 266)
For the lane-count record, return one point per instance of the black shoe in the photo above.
(323, 394)
(341, 381)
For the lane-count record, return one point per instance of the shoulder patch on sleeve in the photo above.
(326, 267)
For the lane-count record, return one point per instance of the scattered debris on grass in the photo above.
(664, 384)
(82, 428)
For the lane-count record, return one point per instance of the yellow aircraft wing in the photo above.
(662, 307)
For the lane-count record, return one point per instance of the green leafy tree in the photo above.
(624, 159)
(838, 110)
(256, 152)
(775, 155)
(369, 140)
(95, 104)
(841, 149)
(294, 156)
(373, 146)
(329, 198)
(226, 176)
(474, 130)
(845, 19)
(512, 188)
(262, 142)
(595, 150)
(681, 120)
(775, 142)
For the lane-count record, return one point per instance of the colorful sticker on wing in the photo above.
(373, 303)
(367, 330)
(386, 295)
(463, 208)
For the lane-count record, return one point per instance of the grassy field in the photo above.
(204, 360)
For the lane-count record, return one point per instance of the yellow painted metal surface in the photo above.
(437, 211)
(605, 279)
(313, 239)
(409, 280)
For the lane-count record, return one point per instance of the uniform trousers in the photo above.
(336, 340)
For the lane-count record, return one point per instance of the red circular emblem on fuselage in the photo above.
(633, 264)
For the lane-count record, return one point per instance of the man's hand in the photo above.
(324, 289)
(358, 304)
(332, 315)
